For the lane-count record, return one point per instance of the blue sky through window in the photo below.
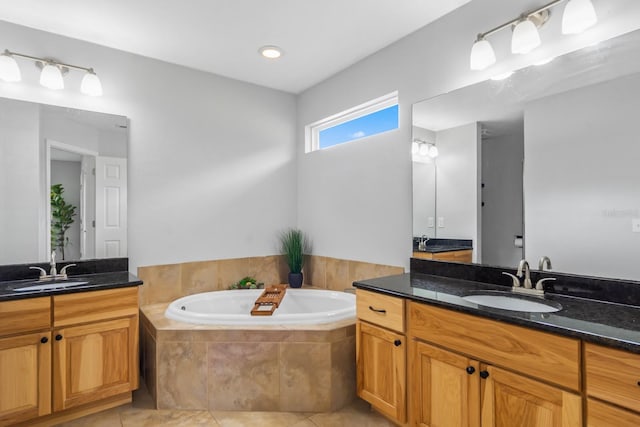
(371, 124)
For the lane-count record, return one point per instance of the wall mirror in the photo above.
(551, 153)
(84, 152)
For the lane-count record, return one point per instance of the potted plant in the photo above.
(62, 214)
(293, 245)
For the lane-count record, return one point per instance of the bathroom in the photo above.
(206, 183)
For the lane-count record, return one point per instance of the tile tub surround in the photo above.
(293, 368)
(165, 283)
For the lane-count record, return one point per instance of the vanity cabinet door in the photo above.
(510, 399)
(25, 377)
(381, 369)
(94, 361)
(444, 388)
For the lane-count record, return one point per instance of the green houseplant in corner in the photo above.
(294, 245)
(62, 214)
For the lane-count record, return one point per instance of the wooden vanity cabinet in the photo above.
(465, 255)
(381, 353)
(95, 348)
(66, 356)
(612, 377)
(470, 371)
(25, 360)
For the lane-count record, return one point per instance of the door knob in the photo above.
(397, 343)
(470, 370)
(484, 374)
(58, 337)
(44, 340)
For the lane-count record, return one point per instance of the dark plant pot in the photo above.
(295, 280)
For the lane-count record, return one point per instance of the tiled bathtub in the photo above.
(308, 368)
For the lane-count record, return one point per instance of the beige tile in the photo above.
(161, 282)
(182, 375)
(283, 269)
(243, 376)
(337, 274)
(153, 418)
(149, 364)
(232, 270)
(108, 418)
(364, 270)
(343, 373)
(199, 277)
(305, 377)
(348, 418)
(315, 271)
(262, 419)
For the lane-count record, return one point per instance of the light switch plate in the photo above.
(431, 222)
(635, 225)
(440, 222)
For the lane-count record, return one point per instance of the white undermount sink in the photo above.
(50, 286)
(506, 301)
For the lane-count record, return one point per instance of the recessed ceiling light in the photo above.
(270, 52)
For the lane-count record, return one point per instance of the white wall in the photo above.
(424, 199)
(502, 216)
(581, 173)
(19, 182)
(211, 160)
(368, 182)
(458, 186)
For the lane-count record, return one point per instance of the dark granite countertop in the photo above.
(96, 282)
(600, 322)
(444, 248)
(437, 245)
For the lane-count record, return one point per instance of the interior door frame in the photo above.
(50, 144)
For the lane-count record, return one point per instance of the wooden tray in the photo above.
(270, 299)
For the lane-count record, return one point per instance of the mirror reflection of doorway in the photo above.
(73, 168)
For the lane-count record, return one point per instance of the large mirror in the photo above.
(543, 163)
(63, 183)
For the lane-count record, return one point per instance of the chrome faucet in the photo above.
(53, 272)
(523, 267)
(422, 245)
(544, 261)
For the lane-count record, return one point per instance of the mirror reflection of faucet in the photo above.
(422, 245)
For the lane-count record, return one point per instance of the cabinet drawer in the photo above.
(613, 375)
(380, 309)
(85, 307)
(542, 355)
(30, 314)
(602, 415)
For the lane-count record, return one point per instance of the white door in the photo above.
(111, 207)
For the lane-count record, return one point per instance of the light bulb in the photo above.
(433, 151)
(270, 52)
(525, 37)
(424, 150)
(51, 77)
(91, 84)
(414, 147)
(482, 55)
(9, 70)
(578, 16)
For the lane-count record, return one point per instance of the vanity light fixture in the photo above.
(578, 16)
(270, 52)
(424, 148)
(51, 74)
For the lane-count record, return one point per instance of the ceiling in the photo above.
(319, 37)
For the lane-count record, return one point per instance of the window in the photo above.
(371, 118)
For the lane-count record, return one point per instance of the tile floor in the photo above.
(139, 413)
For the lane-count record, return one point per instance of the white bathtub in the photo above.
(299, 306)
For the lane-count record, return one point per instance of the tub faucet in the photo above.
(544, 261)
(523, 267)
